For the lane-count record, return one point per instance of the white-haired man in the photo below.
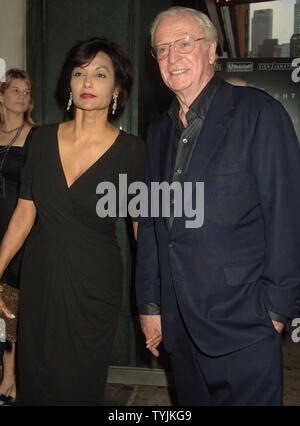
(223, 291)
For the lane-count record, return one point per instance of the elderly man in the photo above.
(221, 292)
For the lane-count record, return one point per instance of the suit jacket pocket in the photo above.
(244, 273)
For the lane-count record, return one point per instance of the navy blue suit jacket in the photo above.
(245, 259)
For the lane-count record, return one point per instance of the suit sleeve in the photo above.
(147, 268)
(275, 157)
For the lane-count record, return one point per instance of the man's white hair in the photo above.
(203, 20)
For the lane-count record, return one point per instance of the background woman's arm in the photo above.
(18, 229)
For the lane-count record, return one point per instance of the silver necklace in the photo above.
(7, 147)
(10, 131)
(4, 150)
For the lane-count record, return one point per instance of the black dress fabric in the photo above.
(11, 171)
(72, 273)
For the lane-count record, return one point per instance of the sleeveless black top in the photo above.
(11, 171)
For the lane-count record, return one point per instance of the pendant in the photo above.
(2, 186)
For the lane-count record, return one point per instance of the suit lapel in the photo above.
(212, 134)
(166, 138)
(214, 127)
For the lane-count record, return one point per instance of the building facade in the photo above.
(262, 28)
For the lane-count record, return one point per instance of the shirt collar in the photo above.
(201, 104)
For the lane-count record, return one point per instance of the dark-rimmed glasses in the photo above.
(183, 45)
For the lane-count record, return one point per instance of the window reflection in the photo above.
(262, 29)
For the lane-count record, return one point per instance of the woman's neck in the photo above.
(11, 121)
(91, 123)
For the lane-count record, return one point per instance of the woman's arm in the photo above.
(18, 229)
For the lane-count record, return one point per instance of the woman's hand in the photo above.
(5, 310)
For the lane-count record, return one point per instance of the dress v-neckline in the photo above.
(90, 167)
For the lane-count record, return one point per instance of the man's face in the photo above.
(185, 74)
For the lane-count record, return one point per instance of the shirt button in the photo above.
(184, 140)
(179, 171)
(171, 244)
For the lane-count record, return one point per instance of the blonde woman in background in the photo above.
(17, 126)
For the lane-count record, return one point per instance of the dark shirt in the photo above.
(185, 139)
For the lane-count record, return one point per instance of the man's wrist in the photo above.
(277, 317)
(150, 308)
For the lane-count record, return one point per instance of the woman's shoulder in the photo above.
(31, 132)
(40, 136)
(132, 143)
(46, 132)
(134, 154)
(43, 131)
(46, 129)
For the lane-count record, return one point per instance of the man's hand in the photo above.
(279, 326)
(5, 310)
(151, 327)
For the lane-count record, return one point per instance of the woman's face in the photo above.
(93, 85)
(16, 97)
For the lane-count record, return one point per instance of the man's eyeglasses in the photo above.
(17, 91)
(183, 45)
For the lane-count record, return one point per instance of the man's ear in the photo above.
(212, 52)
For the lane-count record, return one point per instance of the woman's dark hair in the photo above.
(82, 53)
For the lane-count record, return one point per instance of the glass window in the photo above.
(261, 29)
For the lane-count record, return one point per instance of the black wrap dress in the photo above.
(72, 274)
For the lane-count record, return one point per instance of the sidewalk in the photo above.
(138, 395)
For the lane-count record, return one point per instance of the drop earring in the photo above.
(115, 103)
(70, 101)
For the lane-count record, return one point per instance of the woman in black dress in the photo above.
(17, 126)
(72, 270)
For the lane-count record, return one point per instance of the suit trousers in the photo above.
(250, 376)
